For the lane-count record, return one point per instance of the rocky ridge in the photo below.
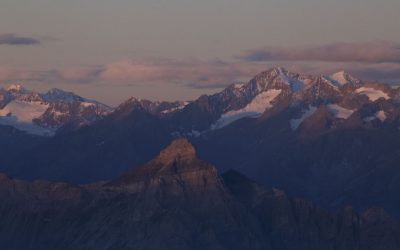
(178, 210)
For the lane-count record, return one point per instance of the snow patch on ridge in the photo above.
(372, 94)
(238, 85)
(16, 88)
(294, 84)
(295, 123)
(180, 107)
(87, 104)
(340, 112)
(340, 77)
(380, 115)
(253, 110)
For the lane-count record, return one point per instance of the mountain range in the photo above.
(178, 201)
(332, 139)
(44, 114)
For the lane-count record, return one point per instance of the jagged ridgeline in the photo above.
(333, 139)
(44, 114)
(178, 201)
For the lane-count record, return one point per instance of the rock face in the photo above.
(178, 201)
(331, 139)
(175, 171)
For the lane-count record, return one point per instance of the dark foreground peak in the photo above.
(175, 170)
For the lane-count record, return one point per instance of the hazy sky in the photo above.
(177, 49)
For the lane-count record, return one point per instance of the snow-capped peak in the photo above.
(275, 72)
(43, 114)
(16, 88)
(275, 76)
(61, 95)
(282, 71)
(279, 78)
(238, 85)
(342, 77)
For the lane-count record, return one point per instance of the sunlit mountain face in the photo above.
(284, 161)
(44, 114)
(200, 125)
(331, 139)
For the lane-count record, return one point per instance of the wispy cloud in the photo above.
(193, 73)
(190, 73)
(371, 52)
(11, 74)
(13, 39)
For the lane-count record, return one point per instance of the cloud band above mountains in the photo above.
(378, 61)
(193, 73)
(13, 39)
(372, 52)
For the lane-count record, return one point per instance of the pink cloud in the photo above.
(79, 74)
(191, 73)
(12, 74)
(186, 72)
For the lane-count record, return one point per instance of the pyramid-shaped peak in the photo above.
(277, 71)
(177, 161)
(281, 69)
(179, 148)
(342, 77)
(341, 73)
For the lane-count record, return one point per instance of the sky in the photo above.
(180, 49)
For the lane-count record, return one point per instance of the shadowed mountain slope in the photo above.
(177, 201)
(332, 139)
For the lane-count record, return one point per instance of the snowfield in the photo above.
(24, 111)
(21, 107)
(373, 94)
(175, 109)
(340, 78)
(380, 115)
(20, 114)
(253, 110)
(340, 112)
